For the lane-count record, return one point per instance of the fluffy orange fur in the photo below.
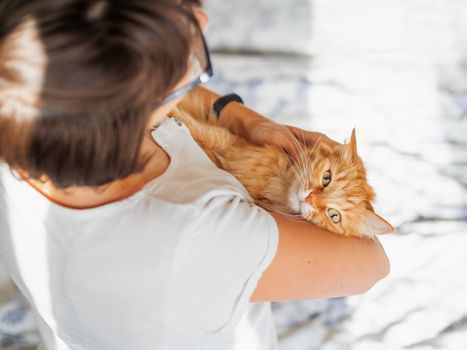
(326, 185)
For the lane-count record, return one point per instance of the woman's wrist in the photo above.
(223, 101)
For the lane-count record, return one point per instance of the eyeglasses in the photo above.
(202, 70)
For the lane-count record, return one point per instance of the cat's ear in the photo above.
(372, 224)
(353, 145)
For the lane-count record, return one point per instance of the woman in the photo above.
(113, 223)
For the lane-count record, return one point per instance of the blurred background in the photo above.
(396, 70)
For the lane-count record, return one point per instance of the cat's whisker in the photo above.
(298, 147)
(276, 209)
(300, 166)
(301, 161)
(304, 160)
(272, 206)
(297, 172)
(311, 153)
(307, 159)
(289, 137)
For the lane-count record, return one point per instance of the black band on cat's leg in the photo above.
(223, 101)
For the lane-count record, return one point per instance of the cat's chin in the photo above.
(294, 202)
(294, 199)
(306, 210)
(293, 211)
(297, 204)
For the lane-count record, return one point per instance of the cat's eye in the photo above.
(326, 178)
(334, 215)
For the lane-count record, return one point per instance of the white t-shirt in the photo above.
(172, 267)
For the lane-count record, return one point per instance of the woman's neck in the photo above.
(90, 197)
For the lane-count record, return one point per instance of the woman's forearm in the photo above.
(312, 263)
(236, 117)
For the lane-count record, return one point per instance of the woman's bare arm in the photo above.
(312, 263)
(249, 124)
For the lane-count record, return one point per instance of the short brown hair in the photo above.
(78, 79)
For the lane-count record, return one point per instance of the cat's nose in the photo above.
(309, 199)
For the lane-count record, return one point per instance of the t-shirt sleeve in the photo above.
(218, 264)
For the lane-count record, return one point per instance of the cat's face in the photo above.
(329, 189)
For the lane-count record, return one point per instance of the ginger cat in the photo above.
(326, 186)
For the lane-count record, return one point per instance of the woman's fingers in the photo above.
(277, 135)
(311, 138)
(289, 138)
(287, 142)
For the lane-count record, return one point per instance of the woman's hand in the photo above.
(289, 138)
